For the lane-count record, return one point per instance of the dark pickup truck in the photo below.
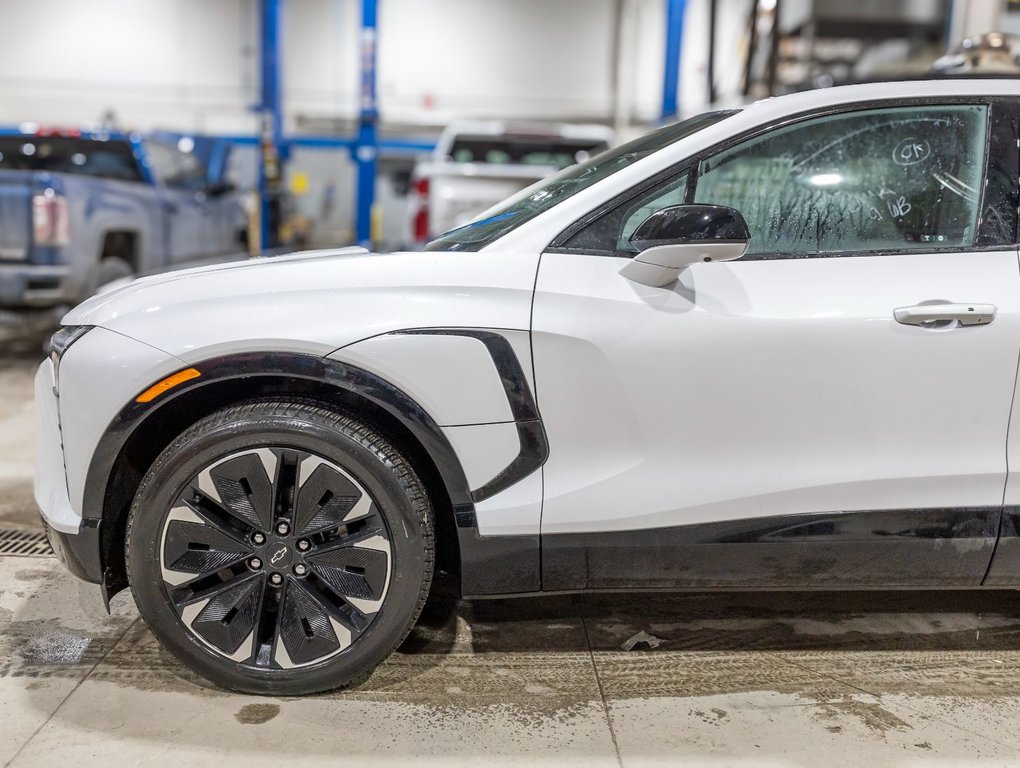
(81, 209)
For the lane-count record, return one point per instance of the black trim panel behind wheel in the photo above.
(534, 447)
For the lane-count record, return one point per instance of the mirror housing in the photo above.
(218, 188)
(672, 239)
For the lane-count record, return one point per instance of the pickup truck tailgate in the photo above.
(460, 191)
(15, 215)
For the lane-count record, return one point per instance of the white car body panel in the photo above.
(770, 388)
(239, 308)
(333, 299)
(452, 377)
(485, 450)
(517, 511)
(51, 482)
(105, 372)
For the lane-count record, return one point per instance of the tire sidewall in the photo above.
(199, 448)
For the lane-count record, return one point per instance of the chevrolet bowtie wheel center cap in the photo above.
(281, 556)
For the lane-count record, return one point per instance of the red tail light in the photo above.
(50, 219)
(48, 130)
(421, 216)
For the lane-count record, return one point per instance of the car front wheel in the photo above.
(280, 548)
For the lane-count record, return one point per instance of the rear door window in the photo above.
(110, 159)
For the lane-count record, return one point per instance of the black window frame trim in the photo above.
(692, 166)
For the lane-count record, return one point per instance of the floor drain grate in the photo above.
(22, 543)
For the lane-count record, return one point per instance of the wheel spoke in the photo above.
(285, 486)
(225, 616)
(326, 498)
(243, 486)
(350, 536)
(306, 630)
(199, 548)
(341, 608)
(217, 515)
(268, 628)
(351, 570)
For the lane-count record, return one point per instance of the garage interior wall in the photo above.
(192, 64)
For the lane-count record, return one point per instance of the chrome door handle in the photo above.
(944, 315)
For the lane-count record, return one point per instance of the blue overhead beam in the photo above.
(387, 147)
(366, 148)
(270, 118)
(674, 39)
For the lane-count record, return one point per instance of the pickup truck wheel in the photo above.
(280, 548)
(112, 268)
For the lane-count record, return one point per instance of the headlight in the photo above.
(62, 339)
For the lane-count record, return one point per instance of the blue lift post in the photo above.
(270, 125)
(366, 148)
(674, 39)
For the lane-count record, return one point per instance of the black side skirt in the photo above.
(839, 550)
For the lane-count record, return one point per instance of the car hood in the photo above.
(313, 302)
(107, 305)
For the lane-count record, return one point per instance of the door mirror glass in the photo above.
(690, 224)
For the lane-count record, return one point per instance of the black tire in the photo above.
(112, 268)
(169, 497)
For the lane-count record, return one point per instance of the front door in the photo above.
(185, 202)
(774, 421)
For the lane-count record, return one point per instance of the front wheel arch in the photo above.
(135, 439)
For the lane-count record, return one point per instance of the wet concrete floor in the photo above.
(766, 680)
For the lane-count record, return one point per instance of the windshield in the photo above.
(529, 203)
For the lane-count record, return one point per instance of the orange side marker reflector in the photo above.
(168, 383)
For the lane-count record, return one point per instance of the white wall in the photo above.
(192, 65)
(171, 63)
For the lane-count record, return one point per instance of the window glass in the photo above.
(612, 231)
(540, 197)
(879, 179)
(1002, 196)
(161, 159)
(180, 170)
(107, 159)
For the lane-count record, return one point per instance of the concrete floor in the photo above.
(764, 680)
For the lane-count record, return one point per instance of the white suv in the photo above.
(584, 390)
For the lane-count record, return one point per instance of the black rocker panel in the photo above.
(873, 549)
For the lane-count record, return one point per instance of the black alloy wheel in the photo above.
(280, 548)
(275, 557)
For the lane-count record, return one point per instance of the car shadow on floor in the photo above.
(736, 621)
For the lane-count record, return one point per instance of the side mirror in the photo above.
(672, 239)
(218, 188)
